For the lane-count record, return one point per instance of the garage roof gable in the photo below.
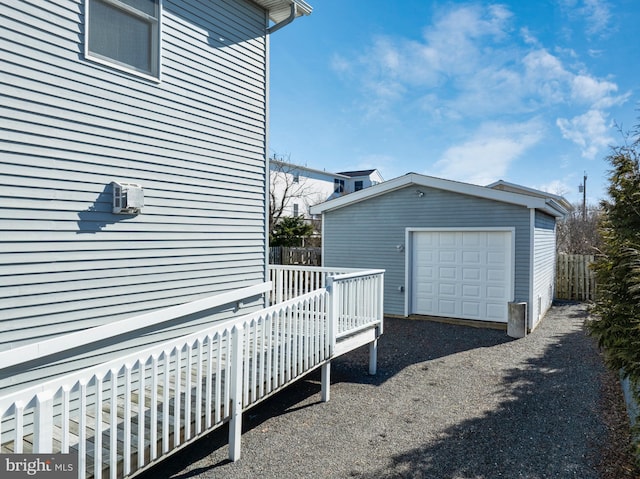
(550, 204)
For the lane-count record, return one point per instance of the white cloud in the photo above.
(594, 92)
(589, 131)
(472, 65)
(486, 156)
(597, 14)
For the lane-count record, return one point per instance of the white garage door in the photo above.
(462, 274)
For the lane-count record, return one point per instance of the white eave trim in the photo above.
(448, 185)
(280, 10)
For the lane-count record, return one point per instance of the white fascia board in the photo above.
(417, 180)
(559, 200)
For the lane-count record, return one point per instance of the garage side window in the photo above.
(124, 34)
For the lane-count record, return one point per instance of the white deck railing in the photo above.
(127, 414)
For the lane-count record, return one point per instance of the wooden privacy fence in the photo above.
(574, 278)
(295, 255)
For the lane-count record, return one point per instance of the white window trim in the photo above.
(111, 63)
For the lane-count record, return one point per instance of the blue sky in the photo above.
(531, 92)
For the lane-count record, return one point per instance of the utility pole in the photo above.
(583, 189)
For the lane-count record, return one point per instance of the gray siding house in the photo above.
(165, 100)
(449, 249)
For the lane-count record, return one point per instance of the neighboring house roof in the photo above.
(545, 202)
(280, 10)
(291, 167)
(356, 173)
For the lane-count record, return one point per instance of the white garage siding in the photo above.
(544, 266)
(196, 142)
(460, 273)
(371, 233)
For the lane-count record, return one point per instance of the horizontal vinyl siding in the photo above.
(544, 264)
(195, 141)
(366, 234)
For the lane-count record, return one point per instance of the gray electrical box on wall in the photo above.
(128, 198)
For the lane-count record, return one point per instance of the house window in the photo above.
(296, 178)
(124, 34)
(338, 185)
(296, 209)
(358, 185)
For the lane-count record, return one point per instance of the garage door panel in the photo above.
(447, 307)
(471, 291)
(447, 289)
(499, 275)
(447, 257)
(471, 310)
(498, 241)
(471, 257)
(446, 239)
(495, 312)
(496, 257)
(471, 239)
(495, 292)
(467, 275)
(471, 274)
(447, 273)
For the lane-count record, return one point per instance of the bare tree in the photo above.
(287, 187)
(578, 233)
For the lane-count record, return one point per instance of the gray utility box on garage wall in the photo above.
(517, 321)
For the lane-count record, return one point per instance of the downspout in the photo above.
(286, 21)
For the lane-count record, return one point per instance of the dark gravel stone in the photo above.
(448, 401)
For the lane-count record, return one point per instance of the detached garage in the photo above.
(449, 249)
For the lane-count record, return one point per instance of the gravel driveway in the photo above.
(448, 402)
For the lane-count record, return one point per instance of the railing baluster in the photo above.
(177, 412)
(262, 345)
(65, 398)
(82, 430)
(245, 356)
(209, 383)
(153, 409)
(19, 433)
(252, 365)
(165, 403)
(187, 394)
(113, 424)
(142, 394)
(97, 428)
(199, 345)
(43, 423)
(227, 373)
(219, 386)
(126, 446)
(269, 338)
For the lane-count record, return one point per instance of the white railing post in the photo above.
(332, 323)
(379, 313)
(43, 423)
(333, 312)
(235, 399)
